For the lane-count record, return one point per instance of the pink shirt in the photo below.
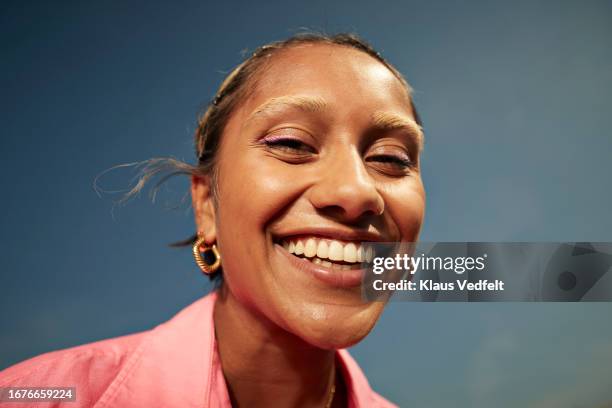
(174, 365)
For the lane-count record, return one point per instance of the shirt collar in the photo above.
(177, 364)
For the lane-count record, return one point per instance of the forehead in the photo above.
(340, 75)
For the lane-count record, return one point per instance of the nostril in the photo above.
(349, 215)
(335, 211)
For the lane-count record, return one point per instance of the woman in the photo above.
(309, 151)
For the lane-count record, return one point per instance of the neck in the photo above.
(265, 365)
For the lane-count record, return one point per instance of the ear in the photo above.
(203, 208)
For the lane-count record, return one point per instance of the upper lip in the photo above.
(340, 234)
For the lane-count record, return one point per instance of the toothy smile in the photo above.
(328, 252)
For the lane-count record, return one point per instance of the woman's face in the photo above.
(324, 155)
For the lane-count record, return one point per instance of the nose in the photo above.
(345, 190)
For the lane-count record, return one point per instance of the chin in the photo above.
(335, 327)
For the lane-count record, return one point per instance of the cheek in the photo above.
(251, 192)
(405, 203)
(255, 190)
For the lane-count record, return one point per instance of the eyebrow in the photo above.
(309, 104)
(392, 121)
(312, 104)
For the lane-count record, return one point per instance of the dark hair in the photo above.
(234, 89)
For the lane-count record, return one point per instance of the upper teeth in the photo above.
(330, 249)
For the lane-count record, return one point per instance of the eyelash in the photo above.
(297, 146)
(289, 143)
(388, 158)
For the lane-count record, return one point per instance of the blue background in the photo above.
(515, 101)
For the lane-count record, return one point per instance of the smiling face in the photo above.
(322, 156)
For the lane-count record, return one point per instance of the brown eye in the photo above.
(392, 161)
(287, 144)
(289, 139)
(291, 145)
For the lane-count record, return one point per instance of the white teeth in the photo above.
(310, 249)
(350, 252)
(336, 252)
(369, 253)
(299, 248)
(328, 264)
(322, 249)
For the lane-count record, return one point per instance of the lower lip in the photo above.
(340, 278)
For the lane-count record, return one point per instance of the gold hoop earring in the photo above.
(197, 254)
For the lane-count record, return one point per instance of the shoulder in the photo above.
(89, 367)
(379, 401)
(124, 371)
